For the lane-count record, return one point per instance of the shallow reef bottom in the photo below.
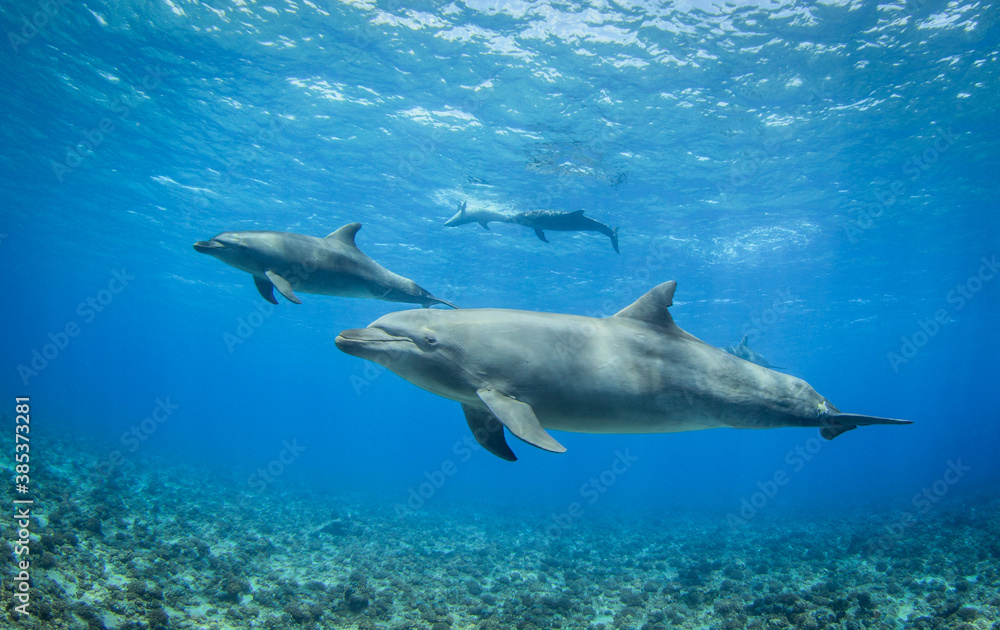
(162, 545)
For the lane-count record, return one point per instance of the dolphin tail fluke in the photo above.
(614, 240)
(837, 423)
(457, 219)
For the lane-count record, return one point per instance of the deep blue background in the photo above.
(736, 149)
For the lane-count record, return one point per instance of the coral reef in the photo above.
(153, 546)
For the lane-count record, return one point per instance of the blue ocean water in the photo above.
(820, 176)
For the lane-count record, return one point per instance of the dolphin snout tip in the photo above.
(362, 342)
(345, 338)
(352, 340)
(206, 246)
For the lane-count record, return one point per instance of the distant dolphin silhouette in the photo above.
(482, 217)
(633, 372)
(744, 352)
(557, 220)
(327, 266)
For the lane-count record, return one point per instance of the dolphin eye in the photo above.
(430, 340)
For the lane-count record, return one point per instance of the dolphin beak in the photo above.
(206, 247)
(367, 342)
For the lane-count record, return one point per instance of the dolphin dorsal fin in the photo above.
(743, 342)
(652, 307)
(576, 213)
(346, 234)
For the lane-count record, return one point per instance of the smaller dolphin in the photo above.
(744, 352)
(482, 217)
(556, 220)
(327, 266)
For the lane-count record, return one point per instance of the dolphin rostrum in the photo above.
(540, 220)
(633, 372)
(327, 266)
(482, 217)
(745, 352)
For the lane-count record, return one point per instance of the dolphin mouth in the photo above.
(363, 341)
(206, 246)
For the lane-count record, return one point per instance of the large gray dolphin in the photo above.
(557, 220)
(745, 352)
(634, 372)
(481, 216)
(328, 266)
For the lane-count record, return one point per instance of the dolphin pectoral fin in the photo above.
(838, 423)
(520, 418)
(483, 223)
(345, 234)
(488, 431)
(266, 289)
(540, 234)
(283, 287)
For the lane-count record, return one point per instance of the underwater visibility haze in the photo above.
(187, 447)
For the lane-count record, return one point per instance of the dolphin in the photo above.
(744, 352)
(540, 220)
(633, 372)
(328, 266)
(482, 217)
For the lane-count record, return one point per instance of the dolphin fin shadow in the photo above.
(265, 288)
(488, 431)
